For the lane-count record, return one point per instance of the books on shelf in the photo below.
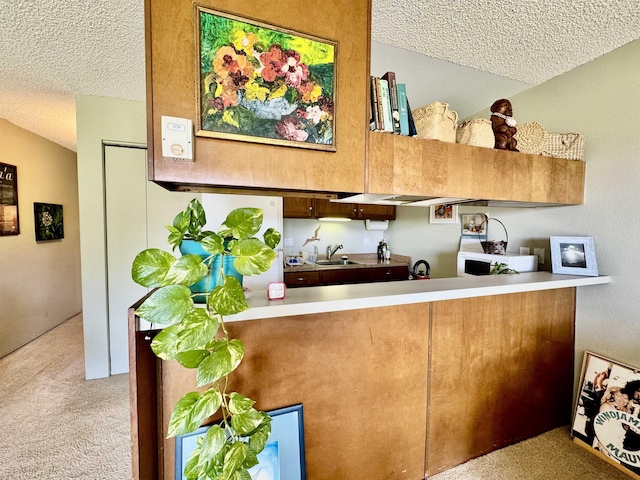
(389, 106)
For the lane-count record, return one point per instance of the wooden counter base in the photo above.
(393, 392)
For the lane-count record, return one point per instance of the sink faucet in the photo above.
(331, 250)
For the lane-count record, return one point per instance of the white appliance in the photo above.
(473, 263)
(218, 206)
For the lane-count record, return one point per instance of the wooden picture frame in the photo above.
(606, 418)
(283, 457)
(265, 84)
(443, 213)
(9, 219)
(48, 221)
(573, 256)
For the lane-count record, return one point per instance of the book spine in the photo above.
(379, 100)
(385, 102)
(374, 123)
(403, 109)
(412, 126)
(393, 99)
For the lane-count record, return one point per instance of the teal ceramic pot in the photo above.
(212, 280)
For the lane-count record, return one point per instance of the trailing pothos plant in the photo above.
(196, 336)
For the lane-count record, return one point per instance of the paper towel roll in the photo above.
(376, 224)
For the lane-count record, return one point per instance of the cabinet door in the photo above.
(294, 207)
(376, 212)
(347, 275)
(325, 208)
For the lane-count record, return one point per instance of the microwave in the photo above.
(473, 263)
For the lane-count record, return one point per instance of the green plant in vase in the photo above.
(196, 336)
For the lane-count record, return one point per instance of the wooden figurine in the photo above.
(504, 125)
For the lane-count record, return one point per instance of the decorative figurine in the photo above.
(504, 125)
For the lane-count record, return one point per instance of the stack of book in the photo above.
(390, 110)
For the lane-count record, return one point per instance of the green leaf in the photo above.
(234, 459)
(245, 423)
(187, 270)
(182, 419)
(150, 267)
(208, 404)
(192, 466)
(253, 257)
(258, 438)
(244, 222)
(212, 243)
(175, 237)
(197, 329)
(224, 359)
(165, 343)
(272, 238)
(239, 403)
(242, 474)
(166, 305)
(198, 217)
(181, 221)
(228, 298)
(213, 441)
(191, 358)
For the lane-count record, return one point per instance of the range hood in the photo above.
(400, 200)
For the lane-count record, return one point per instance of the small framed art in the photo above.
(282, 458)
(49, 223)
(9, 224)
(573, 256)
(444, 213)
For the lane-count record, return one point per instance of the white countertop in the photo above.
(309, 300)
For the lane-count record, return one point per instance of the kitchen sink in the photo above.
(324, 263)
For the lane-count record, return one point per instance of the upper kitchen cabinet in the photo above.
(408, 166)
(224, 162)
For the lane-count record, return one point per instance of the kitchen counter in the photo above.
(333, 298)
(365, 260)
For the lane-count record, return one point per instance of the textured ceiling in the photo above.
(51, 50)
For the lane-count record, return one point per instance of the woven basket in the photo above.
(477, 132)
(530, 137)
(435, 121)
(564, 145)
(494, 247)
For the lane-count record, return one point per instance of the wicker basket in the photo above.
(435, 121)
(564, 145)
(495, 247)
(477, 132)
(530, 137)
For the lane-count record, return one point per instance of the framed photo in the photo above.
(606, 418)
(9, 221)
(48, 222)
(474, 225)
(444, 213)
(573, 256)
(282, 457)
(265, 84)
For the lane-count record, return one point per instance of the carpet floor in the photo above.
(56, 425)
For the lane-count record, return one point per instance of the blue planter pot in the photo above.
(212, 280)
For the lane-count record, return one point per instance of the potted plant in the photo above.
(196, 336)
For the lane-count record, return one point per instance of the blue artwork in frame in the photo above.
(282, 457)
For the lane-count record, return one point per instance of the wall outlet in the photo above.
(367, 241)
(288, 242)
(525, 251)
(540, 253)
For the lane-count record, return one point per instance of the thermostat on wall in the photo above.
(177, 138)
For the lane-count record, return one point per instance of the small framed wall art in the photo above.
(265, 84)
(49, 223)
(443, 213)
(573, 256)
(9, 222)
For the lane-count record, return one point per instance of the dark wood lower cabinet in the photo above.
(389, 393)
(345, 275)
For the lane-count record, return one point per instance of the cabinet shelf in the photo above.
(410, 166)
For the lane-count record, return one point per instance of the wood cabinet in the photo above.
(466, 377)
(224, 165)
(337, 276)
(295, 207)
(409, 166)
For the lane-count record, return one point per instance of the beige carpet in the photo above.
(55, 425)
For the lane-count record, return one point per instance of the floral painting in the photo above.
(48, 221)
(261, 84)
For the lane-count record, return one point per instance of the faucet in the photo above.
(331, 250)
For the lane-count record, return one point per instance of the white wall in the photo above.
(39, 281)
